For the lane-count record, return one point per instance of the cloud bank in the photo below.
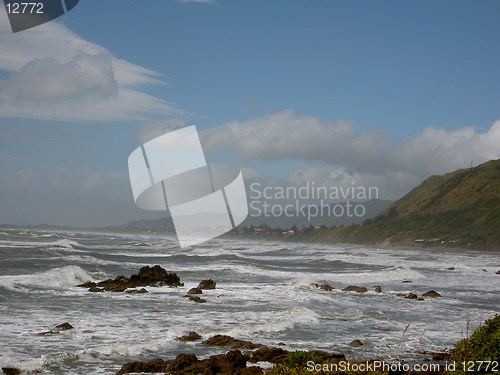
(57, 75)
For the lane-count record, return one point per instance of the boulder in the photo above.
(231, 342)
(325, 287)
(356, 343)
(11, 371)
(155, 365)
(411, 296)
(207, 284)
(354, 288)
(196, 299)
(451, 268)
(195, 291)
(190, 336)
(432, 294)
(64, 326)
(378, 289)
(269, 354)
(498, 272)
(406, 281)
(148, 276)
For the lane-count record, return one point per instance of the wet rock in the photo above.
(411, 296)
(378, 289)
(155, 365)
(207, 284)
(195, 291)
(498, 272)
(401, 295)
(196, 299)
(148, 276)
(325, 287)
(188, 364)
(191, 336)
(451, 268)
(269, 354)
(484, 270)
(432, 294)
(135, 291)
(406, 281)
(11, 371)
(46, 333)
(354, 288)
(231, 342)
(356, 343)
(64, 326)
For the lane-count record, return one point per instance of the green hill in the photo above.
(460, 209)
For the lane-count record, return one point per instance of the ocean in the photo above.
(263, 294)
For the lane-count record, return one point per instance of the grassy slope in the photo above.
(461, 208)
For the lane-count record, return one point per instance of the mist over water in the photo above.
(263, 294)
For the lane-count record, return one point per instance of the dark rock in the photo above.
(266, 354)
(432, 294)
(135, 291)
(191, 336)
(11, 371)
(378, 289)
(155, 365)
(207, 284)
(498, 272)
(182, 361)
(147, 276)
(195, 291)
(406, 281)
(281, 343)
(64, 326)
(411, 296)
(484, 270)
(401, 295)
(233, 362)
(451, 268)
(231, 342)
(356, 343)
(325, 287)
(196, 299)
(354, 288)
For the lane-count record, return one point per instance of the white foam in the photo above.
(58, 278)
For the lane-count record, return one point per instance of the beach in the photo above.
(267, 292)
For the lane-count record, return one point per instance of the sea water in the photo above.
(263, 294)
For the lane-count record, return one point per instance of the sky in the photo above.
(334, 92)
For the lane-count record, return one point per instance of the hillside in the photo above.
(461, 208)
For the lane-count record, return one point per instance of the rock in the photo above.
(281, 343)
(64, 326)
(353, 288)
(233, 362)
(196, 299)
(155, 365)
(231, 342)
(135, 291)
(147, 276)
(182, 361)
(191, 336)
(378, 289)
(401, 295)
(195, 291)
(484, 270)
(411, 296)
(269, 354)
(432, 294)
(47, 333)
(498, 272)
(356, 343)
(325, 287)
(451, 268)
(207, 284)
(11, 371)
(406, 281)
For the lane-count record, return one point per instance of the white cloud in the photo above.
(64, 77)
(153, 129)
(369, 159)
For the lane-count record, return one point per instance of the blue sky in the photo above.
(384, 93)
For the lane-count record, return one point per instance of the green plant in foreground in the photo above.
(483, 345)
